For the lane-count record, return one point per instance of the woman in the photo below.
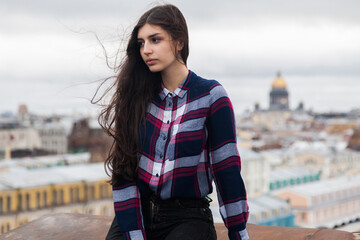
(174, 133)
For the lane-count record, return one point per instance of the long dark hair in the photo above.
(135, 86)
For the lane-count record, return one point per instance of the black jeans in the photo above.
(176, 219)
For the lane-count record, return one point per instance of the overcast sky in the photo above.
(50, 57)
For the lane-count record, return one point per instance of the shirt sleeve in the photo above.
(225, 163)
(128, 212)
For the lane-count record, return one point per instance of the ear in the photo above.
(179, 46)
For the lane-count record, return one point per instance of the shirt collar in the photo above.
(180, 91)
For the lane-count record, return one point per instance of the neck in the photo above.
(172, 78)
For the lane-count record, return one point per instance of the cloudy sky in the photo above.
(51, 60)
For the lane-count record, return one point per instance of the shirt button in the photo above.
(157, 175)
(170, 104)
(164, 137)
(168, 122)
(161, 156)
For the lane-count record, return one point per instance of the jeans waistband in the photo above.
(154, 205)
(181, 202)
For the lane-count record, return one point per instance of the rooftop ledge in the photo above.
(69, 226)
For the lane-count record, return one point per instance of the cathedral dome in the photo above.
(279, 82)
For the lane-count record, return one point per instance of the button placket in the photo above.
(169, 100)
(164, 135)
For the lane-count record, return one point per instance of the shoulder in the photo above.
(202, 86)
(202, 83)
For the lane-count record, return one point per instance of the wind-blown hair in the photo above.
(135, 86)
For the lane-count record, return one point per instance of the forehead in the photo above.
(148, 30)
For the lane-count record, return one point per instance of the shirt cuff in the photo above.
(239, 235)
(135, 235)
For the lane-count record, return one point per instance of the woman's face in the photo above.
(157, 48)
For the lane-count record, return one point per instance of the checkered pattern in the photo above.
(188, 141)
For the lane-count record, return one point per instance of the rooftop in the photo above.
(91, 227)
(287, 173)
(326, 186)
(21, 177)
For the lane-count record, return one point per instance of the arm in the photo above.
(128, 211)
(225, 163)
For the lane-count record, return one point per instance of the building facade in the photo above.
(53, 138)
(255, 172)
(20, 138)
(28, 191)
(87, 135)
(329, 203)
(271, 211)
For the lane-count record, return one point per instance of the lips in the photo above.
(151, 61)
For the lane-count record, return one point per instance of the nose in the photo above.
(147, 48)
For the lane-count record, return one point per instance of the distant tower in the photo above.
(300, 106)
(279, 96)
(22, 110)
(23, 115)
(257, 107)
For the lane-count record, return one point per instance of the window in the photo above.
(303, 216)
(27, 201)
(91, 193)
(61, 196)
(1, 205)
(338, 195)
(55, 202)
(324, 198)
(38, 200)
(104, 190)
(345, 195)
(8, 204)
(45, 199)
(71, 195)
(20, 207)
(77, 194)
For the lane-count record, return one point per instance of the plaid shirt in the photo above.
(190, 141)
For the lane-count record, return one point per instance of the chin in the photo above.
(155, 69)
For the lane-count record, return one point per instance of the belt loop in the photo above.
(178, 203)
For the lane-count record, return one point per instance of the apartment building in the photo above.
(328, 203)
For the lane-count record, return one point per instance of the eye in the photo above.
(155, 40)
(140, 43)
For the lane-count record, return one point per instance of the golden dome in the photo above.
(279, 82)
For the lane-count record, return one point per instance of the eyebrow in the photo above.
(151, 36)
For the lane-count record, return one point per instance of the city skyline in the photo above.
(52, 59)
